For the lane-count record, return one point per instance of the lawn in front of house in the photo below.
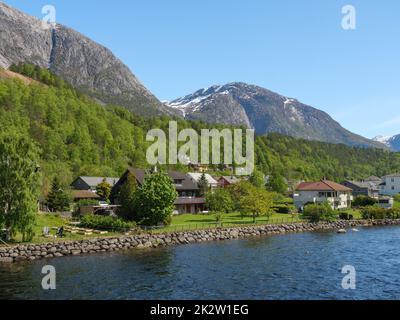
(234, 217)
(207, 221)
(179, 223)
(53, 221)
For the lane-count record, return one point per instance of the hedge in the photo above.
(105, 223)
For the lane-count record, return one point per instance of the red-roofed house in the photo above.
(339, 196)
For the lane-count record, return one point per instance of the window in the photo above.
(178, 182)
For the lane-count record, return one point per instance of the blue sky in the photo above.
(296, 48)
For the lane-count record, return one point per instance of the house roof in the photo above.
(323, 185)
(372, 179)
(95, 181)
(359, 184)
(196, 177)
(394, 175)
(84, 194)
(187, 183)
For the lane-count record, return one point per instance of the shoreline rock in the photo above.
(32, 252)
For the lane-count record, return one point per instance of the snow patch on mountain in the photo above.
(383, 139)
(393, 142)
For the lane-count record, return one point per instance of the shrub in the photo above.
(364, 201)
(284, 208)
(395, 213)
(319, 212)
(380, 213)
(105, 223)
(344, 215)
(82, 203)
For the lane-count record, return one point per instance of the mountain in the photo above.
(265, 111)
(391, 142)
(86, 65)
(78, 136)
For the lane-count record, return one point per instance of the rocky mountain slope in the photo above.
(265, 111)
(85, 64)
(392, 142)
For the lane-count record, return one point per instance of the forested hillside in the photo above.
(78, 136)
(300, 159)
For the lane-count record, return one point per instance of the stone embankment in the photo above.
(31, 252)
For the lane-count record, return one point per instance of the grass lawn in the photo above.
(200, 221)
(54, 221)
(356, 213)
(182, 222)
(228, 218)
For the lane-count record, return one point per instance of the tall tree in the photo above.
(58, 199)
(19, 184)
(126, 199)
(219, 201)
(257, 179)
(103, 190)
(203, 185)
(257, 201)
(155, 199)
(277, 183)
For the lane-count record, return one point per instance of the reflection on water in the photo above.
(293, 266)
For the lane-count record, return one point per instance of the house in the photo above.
(390, 185)
(79, 195)
(90, 183)
(337, 195)
(199, 168)
(188, 200)
(368, 189)
(195, 177)
(227, 181)
(385, 202)
(373, 179)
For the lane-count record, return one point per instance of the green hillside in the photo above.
(78, 136)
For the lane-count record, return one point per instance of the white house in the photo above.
(385, 202)
(195, 177)
(339, 196)
(390, 185)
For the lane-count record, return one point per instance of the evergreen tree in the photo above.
(126, 199)
(19, 184)
(203, 185)
(58, 199)
(103, 190)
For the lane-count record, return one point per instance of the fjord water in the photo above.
(293, 266)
